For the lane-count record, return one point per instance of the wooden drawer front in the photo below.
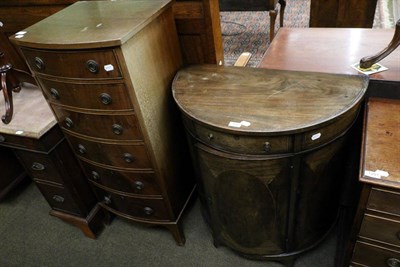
(40, 166)
(106, 96)
(59, 198)
(325, 134)
(132, 156)
(145, 209)
(371, 255)
(263, 145)
(138, 183)
(384, 201)
(116, 127)
(74, 64)
(381, 229)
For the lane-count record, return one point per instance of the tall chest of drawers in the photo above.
(105, 68)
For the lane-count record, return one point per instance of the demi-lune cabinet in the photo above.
(105, 68)
(269, 152)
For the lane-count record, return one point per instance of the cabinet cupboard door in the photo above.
(228, 181)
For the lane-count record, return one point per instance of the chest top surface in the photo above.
(263, 100)
(91, 24)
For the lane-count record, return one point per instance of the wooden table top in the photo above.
(330, 50)
(381, 144)
(91, 24)
(264, 101)
(32, 116)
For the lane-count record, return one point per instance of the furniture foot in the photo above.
(282, 12)
(91, 226)
(177, 232)
(272, 19)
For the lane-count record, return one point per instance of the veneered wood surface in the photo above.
(381, 147)
(270, 100)
(92, 25)
(330, 50)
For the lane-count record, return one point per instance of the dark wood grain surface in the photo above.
(270, 100)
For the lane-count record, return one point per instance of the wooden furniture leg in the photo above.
(282, 12)
(272, 19)
(9, 83)
(367, 62)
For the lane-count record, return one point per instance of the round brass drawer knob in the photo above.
(267, 147)
(210, 136)
(39, 63)
(117, 129)
(58, 198)
(393, 262)
(81, 149)
(139, 185)
(105, 99)
(148, 211)
(128, 158)
(95, 175)
(36, 166)
(69, 123)
(92, 66)
(54, 94)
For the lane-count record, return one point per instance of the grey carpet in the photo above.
(31, 237)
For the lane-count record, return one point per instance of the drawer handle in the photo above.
(95, 175)
(36, 166)
(68, 122)
(210, 136)
(267, 147)
(81, 149)
(128, 158)
(54, 94)
(148, 211)
(2, 138)
(107, 200)
(393, 262)
(139, 185)
(58, 198)
(117, 129)
(105, 99)
(39, 63)
(92, 66)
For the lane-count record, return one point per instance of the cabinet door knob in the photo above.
(105, 99)
(139, 185)
(128, 158)
(81, 149)
(92, 66)
(393, 262)
(95, 175)
(117, 129)
(54, 94)
(148, 210)
(36, 166)
(58, 198)
(107, 200)
(267, 147)
(39, 63)
(210, 136)
(68, 122)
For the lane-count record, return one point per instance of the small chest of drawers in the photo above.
(378, 216)
(37, 141)
(107, 79)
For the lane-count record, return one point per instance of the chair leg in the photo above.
(272, 19)
(282, 12)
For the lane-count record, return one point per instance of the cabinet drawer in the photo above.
(138, 183)
(139, 208)
(370, 255)
(104, 96)
(132, 156)
(241, 143)
(384, 200)
(74, 64)
(381, 229)
(59, 198)
(40, 166)
(116, 127)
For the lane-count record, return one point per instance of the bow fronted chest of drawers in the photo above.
(105, 68)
